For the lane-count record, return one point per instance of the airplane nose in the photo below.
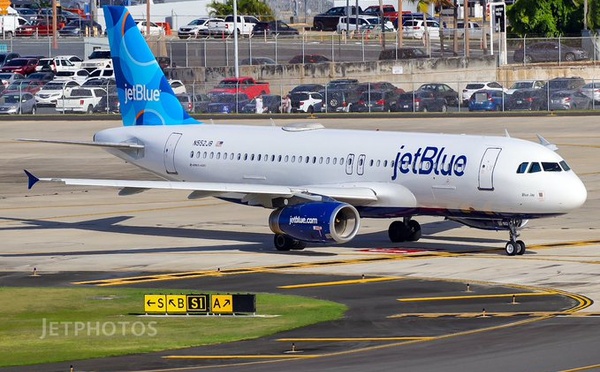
(574, 194)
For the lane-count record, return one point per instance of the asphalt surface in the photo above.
(70, 233)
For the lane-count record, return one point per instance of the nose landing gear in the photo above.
(514, 246)
(406, 230)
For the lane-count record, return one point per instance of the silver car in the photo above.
(17, 103)
(569, 100)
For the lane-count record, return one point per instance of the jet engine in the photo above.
(322, 222)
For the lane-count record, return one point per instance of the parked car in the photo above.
(348, 24)
(592, 90)
(227, 103)
(38, 29)
(306, 101)
(202, 102)
(569, 100)
(79, 76)
(25, 85)
(188, 101)
(474, 87)
(55, 64)
(374, 30)
(329, 20)
(258, 61)
(196, 28)
(41, 76)
(309, 58)
(108, 104)
(108, 84)
(487, 100)
(274, 28)
(308, 88)
(17, 103)
(420, 101)
(155, 29)
(569, 83)
(379, 85)
(415, 29)
(21, 65)
(7, 78)
(527, 99)
(270, 104)
(52, 91)
(442, 90)
(376, 101)
(81, 27)
(5, 57)
(339, 99)
(526, 84)
(177, 86)
(549, 51)
(403, 53)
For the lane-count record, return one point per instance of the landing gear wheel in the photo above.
(398, 232)
(414, 231)
(284, 243)
(520, 247)
(511, 248)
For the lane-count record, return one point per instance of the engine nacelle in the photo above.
(322, 222)
(483, 224)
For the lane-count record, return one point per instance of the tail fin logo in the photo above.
(139, 92)
(145, 94)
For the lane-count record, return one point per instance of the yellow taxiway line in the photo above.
(477, 297)
(355, 339)
(340, 282)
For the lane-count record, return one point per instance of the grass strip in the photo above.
(46, 325)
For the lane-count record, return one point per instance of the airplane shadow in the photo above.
(252, 241)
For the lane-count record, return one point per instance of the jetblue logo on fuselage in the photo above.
(138, 92)
(428, 160)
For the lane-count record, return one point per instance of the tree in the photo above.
(549, 18)
(256, 8)
(593, 15)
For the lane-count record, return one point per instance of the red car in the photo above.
(38, 29)
(23, 66)
(25, 85)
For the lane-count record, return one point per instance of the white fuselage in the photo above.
(464, 174)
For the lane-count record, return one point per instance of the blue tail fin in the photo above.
(145, 94)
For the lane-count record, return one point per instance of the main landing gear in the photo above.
(405, 230)
(286, 243)
(514, 246)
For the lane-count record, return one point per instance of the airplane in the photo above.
(321, 182)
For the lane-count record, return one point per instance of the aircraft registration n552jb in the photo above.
(321, 182)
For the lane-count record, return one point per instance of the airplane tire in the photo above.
(398, 232)
(520, 247)
(282, 243)
(510, 248)
(414, 231)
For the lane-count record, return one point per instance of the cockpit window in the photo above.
(551, 167)
(522, 168)
(535, 167)
(565, 166)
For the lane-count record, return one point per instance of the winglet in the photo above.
(31, 179)
(547, 144)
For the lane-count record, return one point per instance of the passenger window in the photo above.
(522, 167)
(535, 167)
(551, 167)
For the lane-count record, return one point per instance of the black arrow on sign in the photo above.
(227, 302)
(150, 303)
(171, 302)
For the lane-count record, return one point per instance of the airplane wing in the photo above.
(252, 193)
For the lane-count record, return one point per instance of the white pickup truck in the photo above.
(81, 100)
(475, 31)
(245, 24)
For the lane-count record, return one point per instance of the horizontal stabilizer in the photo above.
(118, 145)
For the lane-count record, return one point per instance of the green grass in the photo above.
(34, 326)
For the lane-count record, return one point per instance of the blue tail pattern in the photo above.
(145, 95)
